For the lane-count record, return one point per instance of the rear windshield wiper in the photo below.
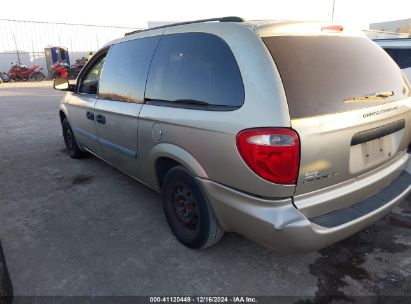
(372, 97)
(179, 101)
(385, 94)
(192, 102)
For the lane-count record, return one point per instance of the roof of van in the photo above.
(261, 27)
(279, 27)
(292, 27)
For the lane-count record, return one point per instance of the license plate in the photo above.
(371, 153)
(375, 150)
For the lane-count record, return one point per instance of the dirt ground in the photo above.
(79, 227)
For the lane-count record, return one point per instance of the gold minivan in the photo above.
(293, 134)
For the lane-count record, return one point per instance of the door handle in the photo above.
(90, 115)
(101, 119)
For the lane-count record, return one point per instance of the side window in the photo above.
(404, 58)
(195, 67)
(89, 83)
(126, 68)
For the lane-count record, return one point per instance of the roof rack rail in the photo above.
(222, 19)
(134, 32)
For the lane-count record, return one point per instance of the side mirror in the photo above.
(62, 84)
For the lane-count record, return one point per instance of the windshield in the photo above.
(320, 73)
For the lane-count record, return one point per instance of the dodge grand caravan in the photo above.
(292, 134)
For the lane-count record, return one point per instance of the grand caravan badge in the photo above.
(383, 111)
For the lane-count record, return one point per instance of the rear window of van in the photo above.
(320, 73)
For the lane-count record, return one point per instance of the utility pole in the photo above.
(332, 14)
(32, 46)
(17, 49)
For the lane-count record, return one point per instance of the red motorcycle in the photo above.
(77, 67)
(61, 69)
(19, 72)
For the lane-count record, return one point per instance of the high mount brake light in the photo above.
(272, 153)
(332, 28)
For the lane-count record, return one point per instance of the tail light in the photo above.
(272, 153)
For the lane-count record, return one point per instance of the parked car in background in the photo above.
(293, 134)
(4, 77)
(400, 50)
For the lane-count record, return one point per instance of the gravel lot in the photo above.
(80, 227)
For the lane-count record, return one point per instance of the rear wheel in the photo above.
(71, 145)
(73, 73)
(188, 211)
(55, 75)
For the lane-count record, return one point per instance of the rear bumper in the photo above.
(278, 224)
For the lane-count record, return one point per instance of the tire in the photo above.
(71, 144)
(54, 75)
(6, 287)
(188, 211)
(39, 76)
(72, 74)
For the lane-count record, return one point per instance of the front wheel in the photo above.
(38, 76)
(188, 211)
(71, 145)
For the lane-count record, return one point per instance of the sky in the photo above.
(129, 13)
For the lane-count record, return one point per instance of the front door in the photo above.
(120, 99)
(117, 126)
(80, 107)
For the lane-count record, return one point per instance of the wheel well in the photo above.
(163, 165)
(62, 115)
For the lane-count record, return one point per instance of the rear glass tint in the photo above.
(320, 72)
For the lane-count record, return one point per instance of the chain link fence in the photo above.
(25, 41)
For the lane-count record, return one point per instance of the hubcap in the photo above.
(185, 207)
